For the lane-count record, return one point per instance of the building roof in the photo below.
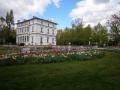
(37, 19)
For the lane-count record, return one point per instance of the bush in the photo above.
(8, 61)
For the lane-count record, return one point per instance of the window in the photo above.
(41, 30)
(22, 30)
(53, 40)
(32, 39)
(19, 30)
(27, 38)
(47, 39)
(23, 38)
(20, 39)
(27, 29)
(53, 32)
(41, 40)
(32, 28)
(48, 31)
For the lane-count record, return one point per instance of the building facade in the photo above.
(36, 31)
(2, 22)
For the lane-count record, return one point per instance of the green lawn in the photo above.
(101, 74)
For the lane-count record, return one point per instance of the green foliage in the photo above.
(99, 35)
(7, 36)
(114, 24)
(50, 58)
(78, 57)
(10, 19)
(7, 33)
(79, 35)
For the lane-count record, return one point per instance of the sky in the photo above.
(62, 11)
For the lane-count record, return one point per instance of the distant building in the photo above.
(36, 31)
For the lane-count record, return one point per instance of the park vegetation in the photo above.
(100, 35)
(78, 34)
(98, 74)
(52, 57)
(7, 31)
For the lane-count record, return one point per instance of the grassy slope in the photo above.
(103, 74)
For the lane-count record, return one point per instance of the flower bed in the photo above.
(52, 57)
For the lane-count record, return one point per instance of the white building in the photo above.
(2, 22)
(36, 31)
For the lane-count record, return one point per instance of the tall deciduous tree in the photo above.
(114, 24)
(100, 35)
(10, 19)
(7, 34)
(79, 35)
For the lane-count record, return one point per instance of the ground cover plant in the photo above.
(52, 58)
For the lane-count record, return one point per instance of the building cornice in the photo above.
(37, 19)
(27, 25)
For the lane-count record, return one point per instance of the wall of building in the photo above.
(31, 32)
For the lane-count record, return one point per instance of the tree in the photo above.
(114, 24)
(7, 34)
(76, 35)
(77, 22)
(87, 35)
(79, 35)
(100, 35)
(10, 19)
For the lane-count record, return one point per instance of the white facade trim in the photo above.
(36, 32)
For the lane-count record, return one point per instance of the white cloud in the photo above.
(94, 11)
(57, 3)
(101, 1)
(25, 8)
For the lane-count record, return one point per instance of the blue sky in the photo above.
(61, 15)
(62, 11)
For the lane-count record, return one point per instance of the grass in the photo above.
(100, 74)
